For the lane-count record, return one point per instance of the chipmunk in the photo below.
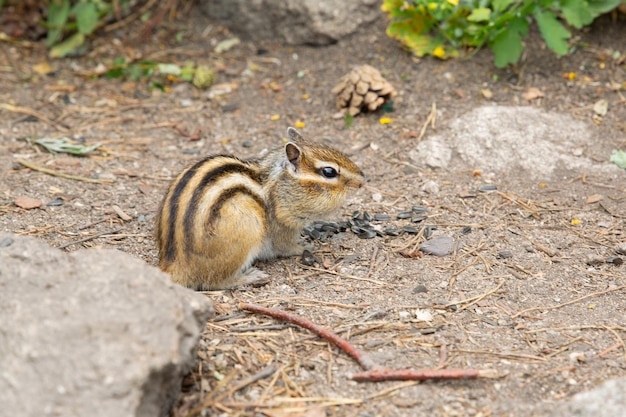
(223, 213)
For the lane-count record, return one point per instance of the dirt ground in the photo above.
(519, 298)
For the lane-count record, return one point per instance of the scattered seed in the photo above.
(615, 260)
(367, 217)
(308, 259)
(366, 234)
(404, 215)
(419, 209)
(410, 230)
(382, 217)
(418, 219)
(487, 188)
(55, 202)
(466, 230)
(392, 231)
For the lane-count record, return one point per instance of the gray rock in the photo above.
(607, 400)
(523, 141)
(91, 333)
(312, 22)
(438, 246)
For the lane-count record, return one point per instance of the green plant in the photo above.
(443, 28)
(70, 21)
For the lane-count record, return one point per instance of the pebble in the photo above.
(438, 246)
(377, 197)
(504, 254)
(431, 187)
(487, 188)
(420, 289)
(7, 241)
(621, 248)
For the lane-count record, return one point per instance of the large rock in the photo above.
(91, 333)
(312, 22)
(522, 141)
(608, 400)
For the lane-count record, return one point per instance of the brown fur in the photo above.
(222, 213)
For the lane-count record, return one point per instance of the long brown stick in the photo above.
(377, 375)
(363, 360)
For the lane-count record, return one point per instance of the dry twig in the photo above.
(364, 361)
(61, 174)
(377, 375)
(554, 307)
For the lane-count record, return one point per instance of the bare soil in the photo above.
(548, 322)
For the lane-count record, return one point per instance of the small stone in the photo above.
(377, 197)
(621, 248)
(438, 246)
(246, 144)
(7, 241)
(420, 289)
(431, 187)
(504, 254)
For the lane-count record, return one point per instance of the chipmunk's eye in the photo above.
(329, 172)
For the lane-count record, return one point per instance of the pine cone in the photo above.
(361, 90)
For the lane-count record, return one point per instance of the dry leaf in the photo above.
(532, 94)
(594, 198)
(601, 107)
(27, 203)
(486, 93)
(43, 68)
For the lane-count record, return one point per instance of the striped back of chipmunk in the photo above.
(194, 200)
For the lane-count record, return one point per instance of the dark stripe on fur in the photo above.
(227, 195)
(169, 252)
(209, 179)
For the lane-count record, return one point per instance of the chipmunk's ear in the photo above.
(293, 135)
(294, 153)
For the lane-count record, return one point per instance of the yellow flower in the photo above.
(571, 76)
(299, 125)
(432, 6)
(385, 120)
(275, 117)
(305, 96)
(454, 2)
(439, 52)
(575, 222)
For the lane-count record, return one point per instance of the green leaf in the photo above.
(348, 120)
(58, 12)
(618, 157)
(87, 17)
(553, 32)
(171, 69)
(479, 15)
(598, 7)
(507, 46)
(67, 46)
(501, 5)
(66, 145)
